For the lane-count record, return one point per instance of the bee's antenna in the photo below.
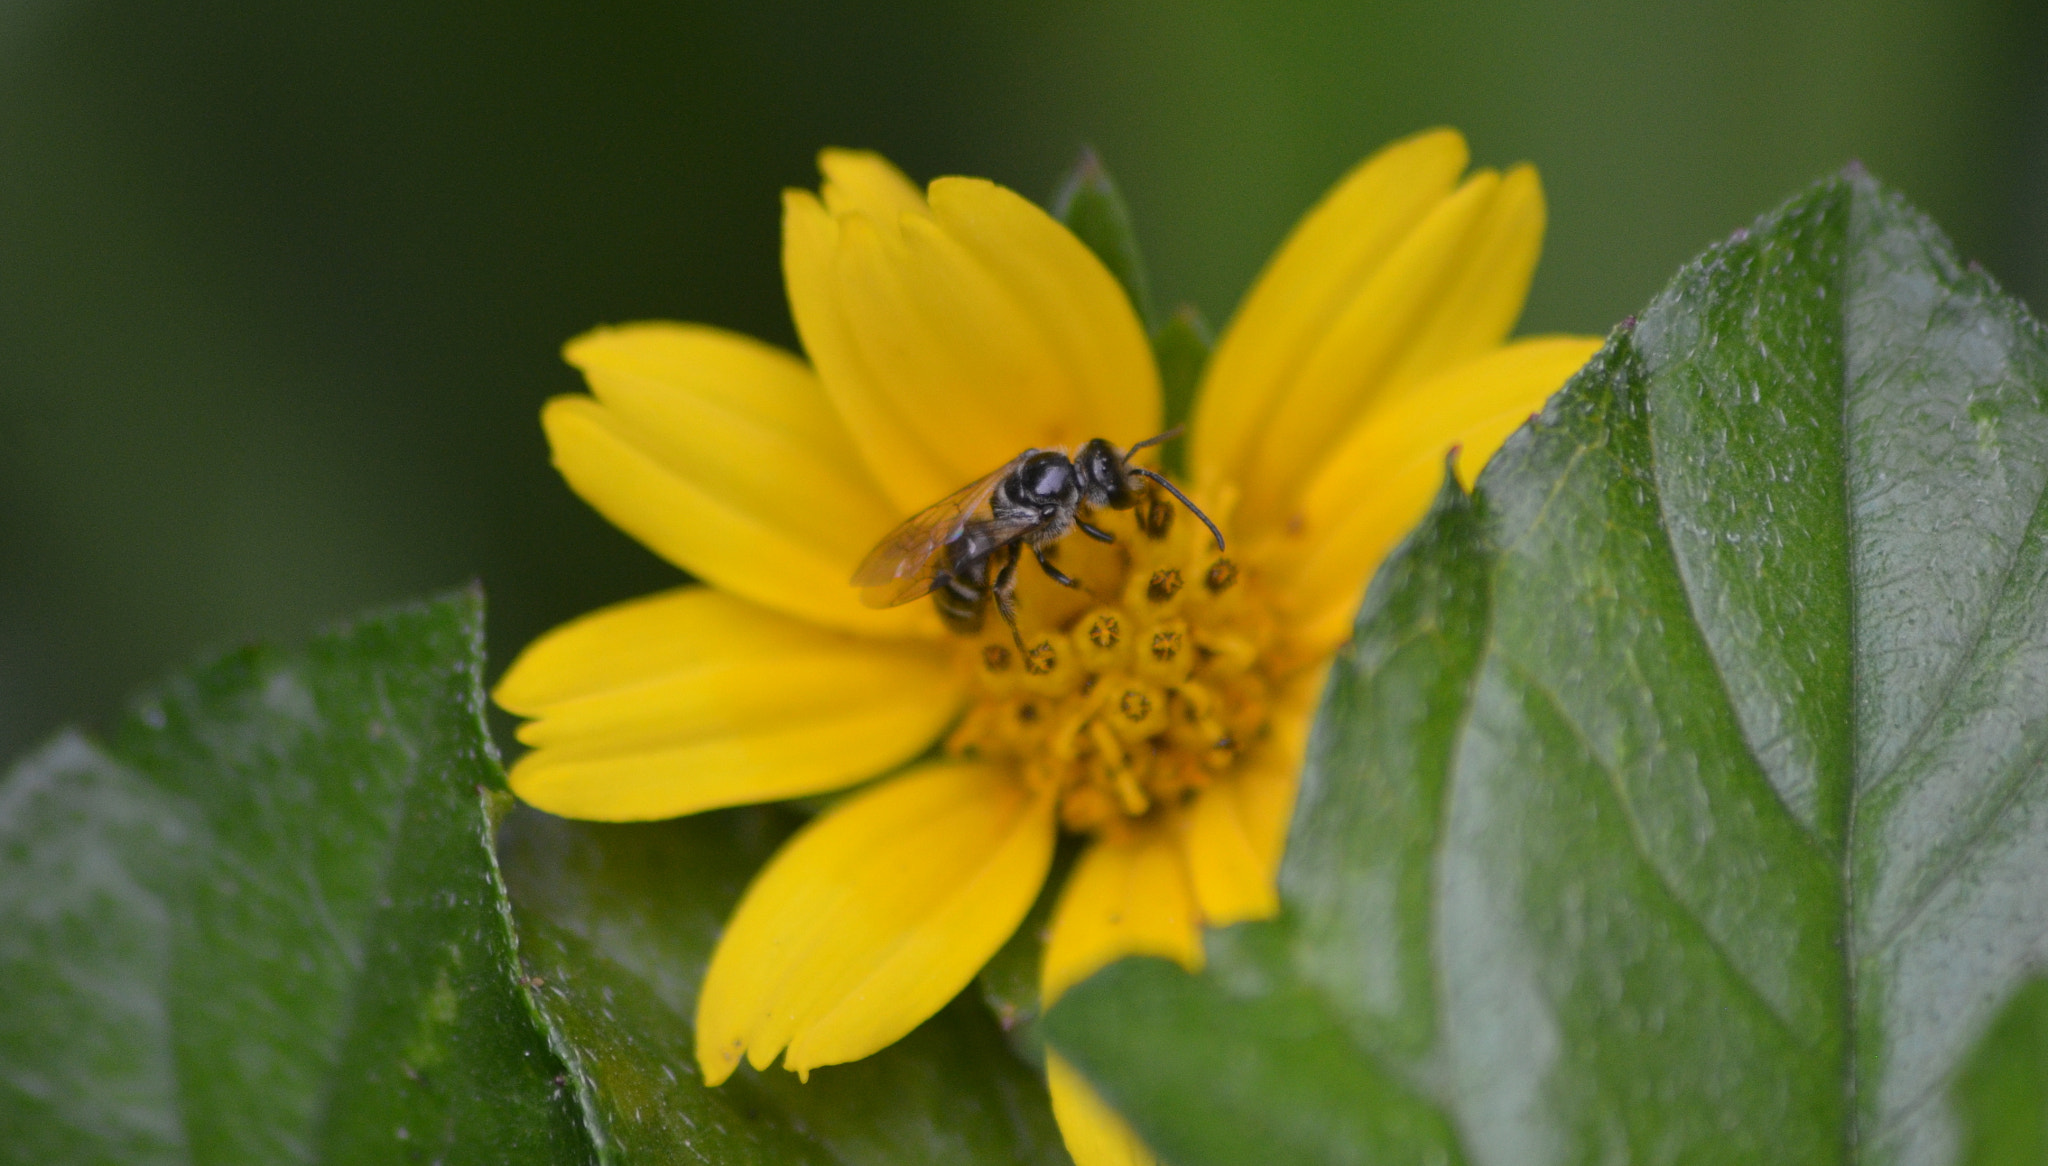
(1169, 435)
(1192, 508)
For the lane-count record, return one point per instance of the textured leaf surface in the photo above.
(265, 926)
(618, 923)
(1682, 795)
(89, 853)
(2002, 1092)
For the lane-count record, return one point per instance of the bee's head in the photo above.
(1104, 478)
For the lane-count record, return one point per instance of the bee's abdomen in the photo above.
(960, 589)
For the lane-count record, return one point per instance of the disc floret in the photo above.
(1135, 692)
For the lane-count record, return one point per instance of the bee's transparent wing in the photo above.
(902, 565)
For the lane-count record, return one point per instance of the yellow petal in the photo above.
(694, 699)
(746, 421)
(1233, 834)
(1266, 782)
(1316, 273)
(1385, 472)
(1125, 896)
(1482, 293)
(952, 340)
(872, 918)
(1449, 292)
(910, 472)
(723, 455)
(1094, 1133)
(1230, 881)
(864, 182)
(950, 350)
(1075, 302)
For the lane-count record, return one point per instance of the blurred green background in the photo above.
(282, 287)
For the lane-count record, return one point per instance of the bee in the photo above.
(964, 548)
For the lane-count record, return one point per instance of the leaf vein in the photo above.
(1807, 830)
(1975, 648)
(1639, 840)
(2016, 785)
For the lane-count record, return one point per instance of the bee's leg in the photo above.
(1051, 572)
(1005, 591)
(1094, 532)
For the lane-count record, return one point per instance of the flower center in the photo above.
(1135, 690)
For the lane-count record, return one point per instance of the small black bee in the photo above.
(947, 549)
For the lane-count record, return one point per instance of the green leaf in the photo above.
(1682, 796)
(1089, 203)
(617, 925)
(634, 1070)
(89, 854)
(1181, 346)
(1092, 207)
(2002, 1092)
(266, 925)
(1009, 981)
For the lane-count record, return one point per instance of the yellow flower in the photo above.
(1160, 711)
